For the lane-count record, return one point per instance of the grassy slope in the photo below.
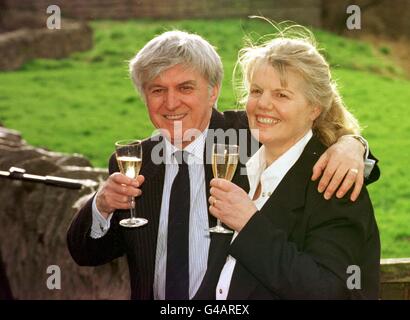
(84, 103)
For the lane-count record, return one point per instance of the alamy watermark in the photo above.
(354, 21)
(353, 282)
(54, 280)
(240, 137)
(54, 20)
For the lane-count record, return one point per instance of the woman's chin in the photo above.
(266, 140)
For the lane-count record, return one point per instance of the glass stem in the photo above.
(132, 209)
(218, 223)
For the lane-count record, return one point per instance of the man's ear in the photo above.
(213, 94)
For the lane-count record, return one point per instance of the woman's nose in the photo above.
(265, 101)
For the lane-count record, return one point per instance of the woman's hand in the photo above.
(230, 204)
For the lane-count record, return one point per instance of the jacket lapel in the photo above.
(218, 244)
(283, 208)
(218, 250)
(142, 241)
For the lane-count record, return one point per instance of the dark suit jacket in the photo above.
(139, 245)
(299, 245)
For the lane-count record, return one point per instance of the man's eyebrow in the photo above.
(153, 85)
(191, 82)
(157, 85)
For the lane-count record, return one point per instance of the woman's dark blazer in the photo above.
(301, 246)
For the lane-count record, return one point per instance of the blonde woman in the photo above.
(289, 242)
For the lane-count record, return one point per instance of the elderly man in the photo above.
(179, 76)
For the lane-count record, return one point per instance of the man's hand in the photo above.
(230, 204)
(115, 193)
(342, 161)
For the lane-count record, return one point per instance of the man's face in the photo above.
(180, 99)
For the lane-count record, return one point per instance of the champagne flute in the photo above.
(224, 161)
(129, 159)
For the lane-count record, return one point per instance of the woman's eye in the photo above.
(282, 95)
(255, 91)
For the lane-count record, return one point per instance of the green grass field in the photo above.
(84, 103)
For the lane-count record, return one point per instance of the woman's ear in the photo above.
(316, 111)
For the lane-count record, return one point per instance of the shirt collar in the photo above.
(195, 149)
(256, 166)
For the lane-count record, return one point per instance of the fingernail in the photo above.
(320, 189)
(327, 196)
(339, 194)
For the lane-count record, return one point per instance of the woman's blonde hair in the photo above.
(293, 48)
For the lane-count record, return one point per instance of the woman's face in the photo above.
(280, 115)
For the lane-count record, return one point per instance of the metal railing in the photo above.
(20, 174)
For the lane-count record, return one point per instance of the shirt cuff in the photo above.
(368, 167)
(100, 225)
(368, 163)
(366, 154)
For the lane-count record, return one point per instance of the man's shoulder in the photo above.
(150, 142)
(236, 119)
(235, 116)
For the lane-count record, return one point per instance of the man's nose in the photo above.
(172, 100)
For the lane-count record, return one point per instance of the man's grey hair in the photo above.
(172, 48)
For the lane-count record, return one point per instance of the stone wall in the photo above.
(379, 17)
(34, 220)
(302, 11)
(25, 37)
(395, 279)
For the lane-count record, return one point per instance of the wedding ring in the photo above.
(354, 170)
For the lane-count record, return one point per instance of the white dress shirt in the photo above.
(199, 238)
(269, 178)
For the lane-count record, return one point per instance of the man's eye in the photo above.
(157, 91)
(282, 95)
(187, 89)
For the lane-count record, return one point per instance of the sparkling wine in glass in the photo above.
(129, 159)
(224, 161)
